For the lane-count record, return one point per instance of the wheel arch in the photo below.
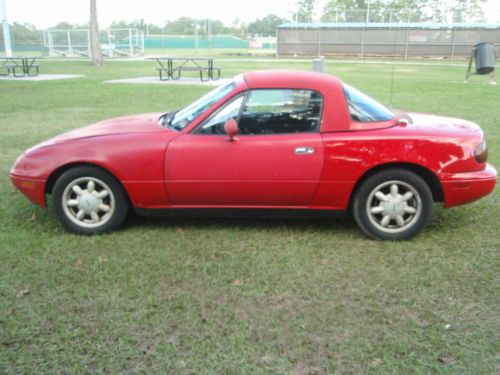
(54, 176)
(428, 176)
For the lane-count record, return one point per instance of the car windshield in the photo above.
(363, 108)
(184, 117)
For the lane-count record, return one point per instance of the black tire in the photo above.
(393, 204)
(88, 200)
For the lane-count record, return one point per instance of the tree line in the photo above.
(305, 11)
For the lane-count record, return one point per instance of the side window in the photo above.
(280, 111)
(215, 123)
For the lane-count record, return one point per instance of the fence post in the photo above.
(452, 43)
(88, 42)
(319, 42)
(130, 46)
(363, 41)
(196, 41)
(51, 42)
(110, 46)
(406, 44)
(68, 36)
(142, 42)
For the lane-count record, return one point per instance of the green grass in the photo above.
(187, 296)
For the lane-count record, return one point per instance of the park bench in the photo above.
(20, 67)
(206, 74)
(171, 68)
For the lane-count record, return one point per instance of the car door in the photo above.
(275, 161)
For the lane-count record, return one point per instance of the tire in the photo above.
(88, 200)
(393, 204)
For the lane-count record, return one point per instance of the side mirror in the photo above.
(231, 129)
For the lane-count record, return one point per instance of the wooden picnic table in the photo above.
(20, 66)
(170, 67)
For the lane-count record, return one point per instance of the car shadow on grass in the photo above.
(343, 224)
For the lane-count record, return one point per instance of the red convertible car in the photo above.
(271, 143)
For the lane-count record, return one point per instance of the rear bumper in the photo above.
(33, 189)
(461, 188)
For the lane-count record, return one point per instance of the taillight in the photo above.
(481, 152)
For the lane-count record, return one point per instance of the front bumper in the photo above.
(33, 189)
(462, 188)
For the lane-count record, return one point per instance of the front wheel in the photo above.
(394, 204)
(88, 200)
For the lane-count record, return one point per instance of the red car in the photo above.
(271, 143)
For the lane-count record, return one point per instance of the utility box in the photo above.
(485, 57)
(319, 65)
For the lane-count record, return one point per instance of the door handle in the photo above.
(304, 150)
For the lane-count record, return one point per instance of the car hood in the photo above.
(144, 123)
(440, 125)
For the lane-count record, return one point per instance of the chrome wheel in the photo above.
(88, 202)
(394, 206)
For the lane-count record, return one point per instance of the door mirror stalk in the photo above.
(231, 129)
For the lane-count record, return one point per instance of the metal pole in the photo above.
(319, 42)
(68, 36)
(142, 43)
(88, 42)
(51, 43)
(196, 42)
(452, 43)
(406, 43)
(363, 42)
(209, 32)
(130, 47)
(110, 49)
(6, 29)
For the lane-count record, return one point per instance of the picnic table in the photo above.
(171, 67)
(19, 66)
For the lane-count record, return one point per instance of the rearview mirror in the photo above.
(231, 129)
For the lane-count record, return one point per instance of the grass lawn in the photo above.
(187, 296)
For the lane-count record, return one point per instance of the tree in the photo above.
(95, 43)
(265, 26)
(403, 10)
(181, 26)
(305, 10)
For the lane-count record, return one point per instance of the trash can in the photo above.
(485, 57)
(319, 65)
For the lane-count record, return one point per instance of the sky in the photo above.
(46, 13)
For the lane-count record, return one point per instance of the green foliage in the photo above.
(305, 10)
(403, 10)
(23, 34)
(266, 25)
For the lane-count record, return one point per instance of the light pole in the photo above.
(6, 30)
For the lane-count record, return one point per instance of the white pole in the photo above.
(130, 47)
(70, 48)
(6, 29)
(51, 43)
(110, 49)
(142, 42)
(368, 12)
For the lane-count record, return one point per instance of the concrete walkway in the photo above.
(181, 81)
(40, 77)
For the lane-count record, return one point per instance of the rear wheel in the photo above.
(88, 200)
(394, 204)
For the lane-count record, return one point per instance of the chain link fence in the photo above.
(403, 40)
